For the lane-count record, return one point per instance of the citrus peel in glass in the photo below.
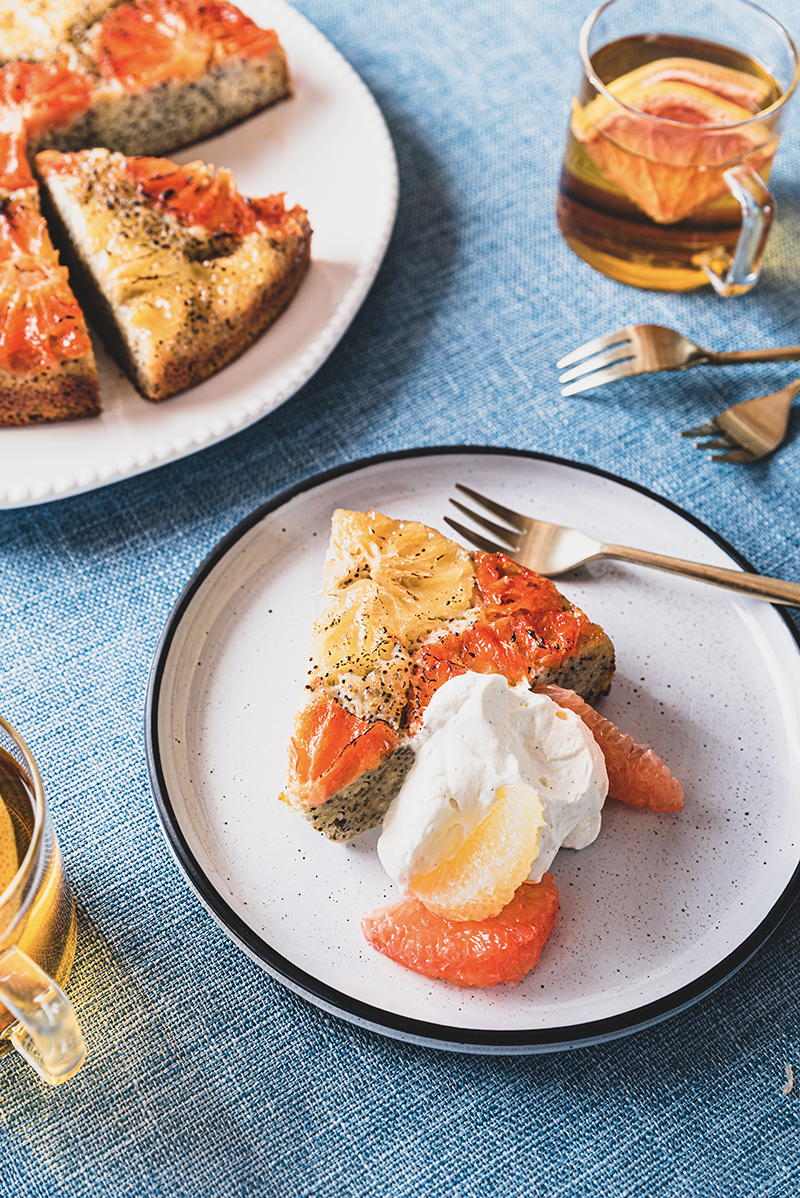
(675, 164)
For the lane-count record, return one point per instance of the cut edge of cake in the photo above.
(172, 114)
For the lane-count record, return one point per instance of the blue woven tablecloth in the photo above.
(205, 1076)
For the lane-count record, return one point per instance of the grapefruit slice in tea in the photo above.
(636, 775)
(9, 862)
(482, 877)
(737, 87)
(480, 953)
(672, 166)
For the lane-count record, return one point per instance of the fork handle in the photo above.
(775, 590)
(781, 353)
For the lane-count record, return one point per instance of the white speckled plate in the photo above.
(655, 914)
(328, 148)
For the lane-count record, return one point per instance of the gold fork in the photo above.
(552, 549)
(647, 348)
(750, 429)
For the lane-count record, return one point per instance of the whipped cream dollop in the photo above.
(479, 734)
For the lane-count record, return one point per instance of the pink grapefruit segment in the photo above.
(480, 953)
(636, 775)
(674, 166)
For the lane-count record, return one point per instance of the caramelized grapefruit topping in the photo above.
(40, 322)
(151, 41)
(43, 94)
(35, 96)
(199, 194)
(196, 194)
(14, 169)
(330, 748)
(504, 586)
(272, 212)
(524, 626)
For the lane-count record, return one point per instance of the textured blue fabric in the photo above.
(237, 1087)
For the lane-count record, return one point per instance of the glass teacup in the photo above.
(671, 141)
(37, 923)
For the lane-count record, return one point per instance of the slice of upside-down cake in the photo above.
(404, 609)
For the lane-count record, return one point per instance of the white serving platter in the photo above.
(329, 149)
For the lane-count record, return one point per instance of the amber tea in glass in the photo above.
(37, 923)
(671, 140)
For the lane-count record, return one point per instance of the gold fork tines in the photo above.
(749, 430)
(552, 549)
(649, 348)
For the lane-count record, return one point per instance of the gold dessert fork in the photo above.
(750, 429)
(552, 549)
(647, 348)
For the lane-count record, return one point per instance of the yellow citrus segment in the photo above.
(492, 862)
(422, 576)
(387, 583)
(9, 862)
(352, 631)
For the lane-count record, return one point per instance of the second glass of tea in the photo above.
(37, 923)
(671, 140)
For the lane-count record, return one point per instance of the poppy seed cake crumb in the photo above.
(363, 804)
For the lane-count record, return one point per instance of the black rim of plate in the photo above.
(344, 1005)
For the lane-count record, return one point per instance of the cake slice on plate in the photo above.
(47, 367)
(166, 73)
(177, 270)
(403, 610)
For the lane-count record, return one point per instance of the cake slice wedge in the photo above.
(176, 269)
(47, 367)
(165, 74)
(403, 610)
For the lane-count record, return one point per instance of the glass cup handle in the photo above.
(47, 1034)
(736, 275)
